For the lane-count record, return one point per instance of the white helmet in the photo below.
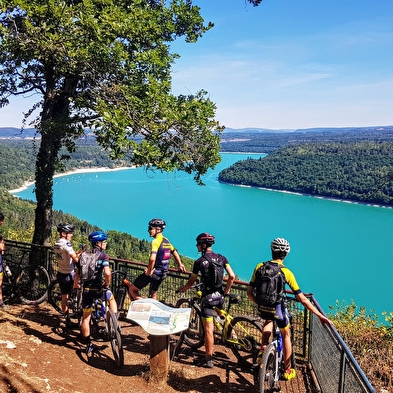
(280, 244)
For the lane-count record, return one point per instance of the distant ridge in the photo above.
(315, 129)
(16, 133)
(28, 133)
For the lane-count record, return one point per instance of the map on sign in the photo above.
(158, 319)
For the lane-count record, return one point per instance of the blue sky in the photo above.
(287, 64)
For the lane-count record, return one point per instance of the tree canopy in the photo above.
(104, 66)
(360, 171)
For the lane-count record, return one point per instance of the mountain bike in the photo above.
(121, 292)
(29, 283)
(74, 302)
(242, 334)
(271, 370)
(104, 325)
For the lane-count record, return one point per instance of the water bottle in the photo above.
(279, 343)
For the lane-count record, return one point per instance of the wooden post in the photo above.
(159, 358)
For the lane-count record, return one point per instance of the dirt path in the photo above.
(38, 355)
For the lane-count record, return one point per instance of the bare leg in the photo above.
(209, 337)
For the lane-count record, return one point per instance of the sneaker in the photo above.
(89, 350)
(209, 364)
(289, 374)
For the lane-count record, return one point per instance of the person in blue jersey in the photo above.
(66, 257)
(160, 254)
(95, 288)
(212, 289)
(280, 249)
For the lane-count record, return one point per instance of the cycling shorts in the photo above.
(207, 307)
(154, 280)
(89, 295)
(66, 282)
(278, 314)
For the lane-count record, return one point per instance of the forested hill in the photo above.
(358, 171)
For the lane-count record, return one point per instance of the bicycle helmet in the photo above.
(205, 238)
(97, 236)
(65, 227)
(280, 244)
(157, 223)
(1, 217)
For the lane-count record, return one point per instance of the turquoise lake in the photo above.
(337, 248)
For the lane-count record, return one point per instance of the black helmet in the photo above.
(97, 236)
(157, 223)
(1, 217)
(205, 238)
(65, 227)
(280, 244)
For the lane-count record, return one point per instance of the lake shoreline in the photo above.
(77, 171)
(354, 202)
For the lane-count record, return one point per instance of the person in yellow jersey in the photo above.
(160, 255)
(271, 311)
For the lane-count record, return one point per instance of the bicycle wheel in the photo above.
(175, 343)
(32, 284)
(115, 338)
(54, 296)
(266, 375)
(120, 298)
(194, 336)
(245, 337)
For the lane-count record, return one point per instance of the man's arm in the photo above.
(107, 275)
(152, 261)
(306, 303)
(178, 261)
(231, 279)
(189, 283)
(250, 294)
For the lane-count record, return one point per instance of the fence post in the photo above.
(159, 358)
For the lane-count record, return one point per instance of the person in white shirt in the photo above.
(66, 257)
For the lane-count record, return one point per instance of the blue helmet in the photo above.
(97, 236)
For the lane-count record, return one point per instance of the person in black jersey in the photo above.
(212, 290)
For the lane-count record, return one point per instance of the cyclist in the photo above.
(160, 254)
(212, 291)
(280, 249)
(2, 244)
(1, 218)
(66, 257)
(93, 289)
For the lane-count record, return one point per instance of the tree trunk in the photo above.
(45, 169)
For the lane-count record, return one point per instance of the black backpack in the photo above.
(269, 285)
(214, 273)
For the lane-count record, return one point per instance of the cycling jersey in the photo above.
(63, 249)
(161, 246)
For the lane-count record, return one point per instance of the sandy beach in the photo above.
(27, 184)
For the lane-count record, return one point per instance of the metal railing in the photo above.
(330, 362)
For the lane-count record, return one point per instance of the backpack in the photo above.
(88, 265)
(214, 274)
(269, 285)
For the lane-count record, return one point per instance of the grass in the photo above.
(369, 339)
